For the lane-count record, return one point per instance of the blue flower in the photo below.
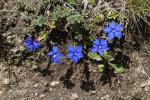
(100, 46)
(55, 55)
(30, 44)
(75, 54)
(114, 30)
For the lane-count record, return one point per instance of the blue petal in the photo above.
(94, 49)
(59, 55)
(70, 49)
(26, 43)
(119, 27)
(111, 35)
(112, 25)
(55, 49)
(70, 55)
(57, 61)
(107, 30)
(50, 53)
(100, 51)
(79, 48)
(103, 42)
(80, 55)
(75, 59)
(36, 45)
(52, 59)
(30, 48)
(105, 47)
(29, 39)
(118, 34)
(96, 42)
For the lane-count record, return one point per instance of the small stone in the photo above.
(73, 96)
(147, 88)
(54, 83)
(143, 85)
(139, 89)
(36, 85)
(93, 92)
(36, 94)
(6, 81)
(50, 89)
(19, 71)
(1, 93)
(46, 84)
(106, 97)
(5, 69)
(42, 95)
(148, 83)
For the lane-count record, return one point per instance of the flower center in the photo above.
(54, 56)
(113, 30)
(100, 47)
(75, 53)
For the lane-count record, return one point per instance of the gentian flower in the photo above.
(75, 54)
(55, 55)
(30, 44)
(114, 30)
(100, 46)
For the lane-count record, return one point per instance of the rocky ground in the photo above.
(66, 82)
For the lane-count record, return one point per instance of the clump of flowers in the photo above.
(100, 46)
(75, 54)
(55, 55)
(31, 45)
(98, 52)
(114, 30)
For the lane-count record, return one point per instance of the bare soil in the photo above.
(81, 81)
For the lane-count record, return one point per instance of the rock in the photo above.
(50, 89)
(93, 92)
(54, 83)
(46, 84)
(148, 83)
(73, 96)
(36, 94)
(106, 97)
(42, 95)
(1, 93)
(6, 81)
(5, 69)
(36, 85)
(147, 88)
(143, 85)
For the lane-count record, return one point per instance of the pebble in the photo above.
(42, 95)
(36, 85)
(54, 83)
(1, 93)
(93, 92)
(106, 97)
(147, 88)
(36, 94)
(50, 89)
(73, 96)
(143, 85)
(6, 81)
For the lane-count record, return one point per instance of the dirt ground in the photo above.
(66, 81)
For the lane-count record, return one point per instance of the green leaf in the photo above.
(71, 1)
(113, 15)
(76, 18)
(94, 56)
(101, 67)
(109, 56)
(118, 68)
(39, 21)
